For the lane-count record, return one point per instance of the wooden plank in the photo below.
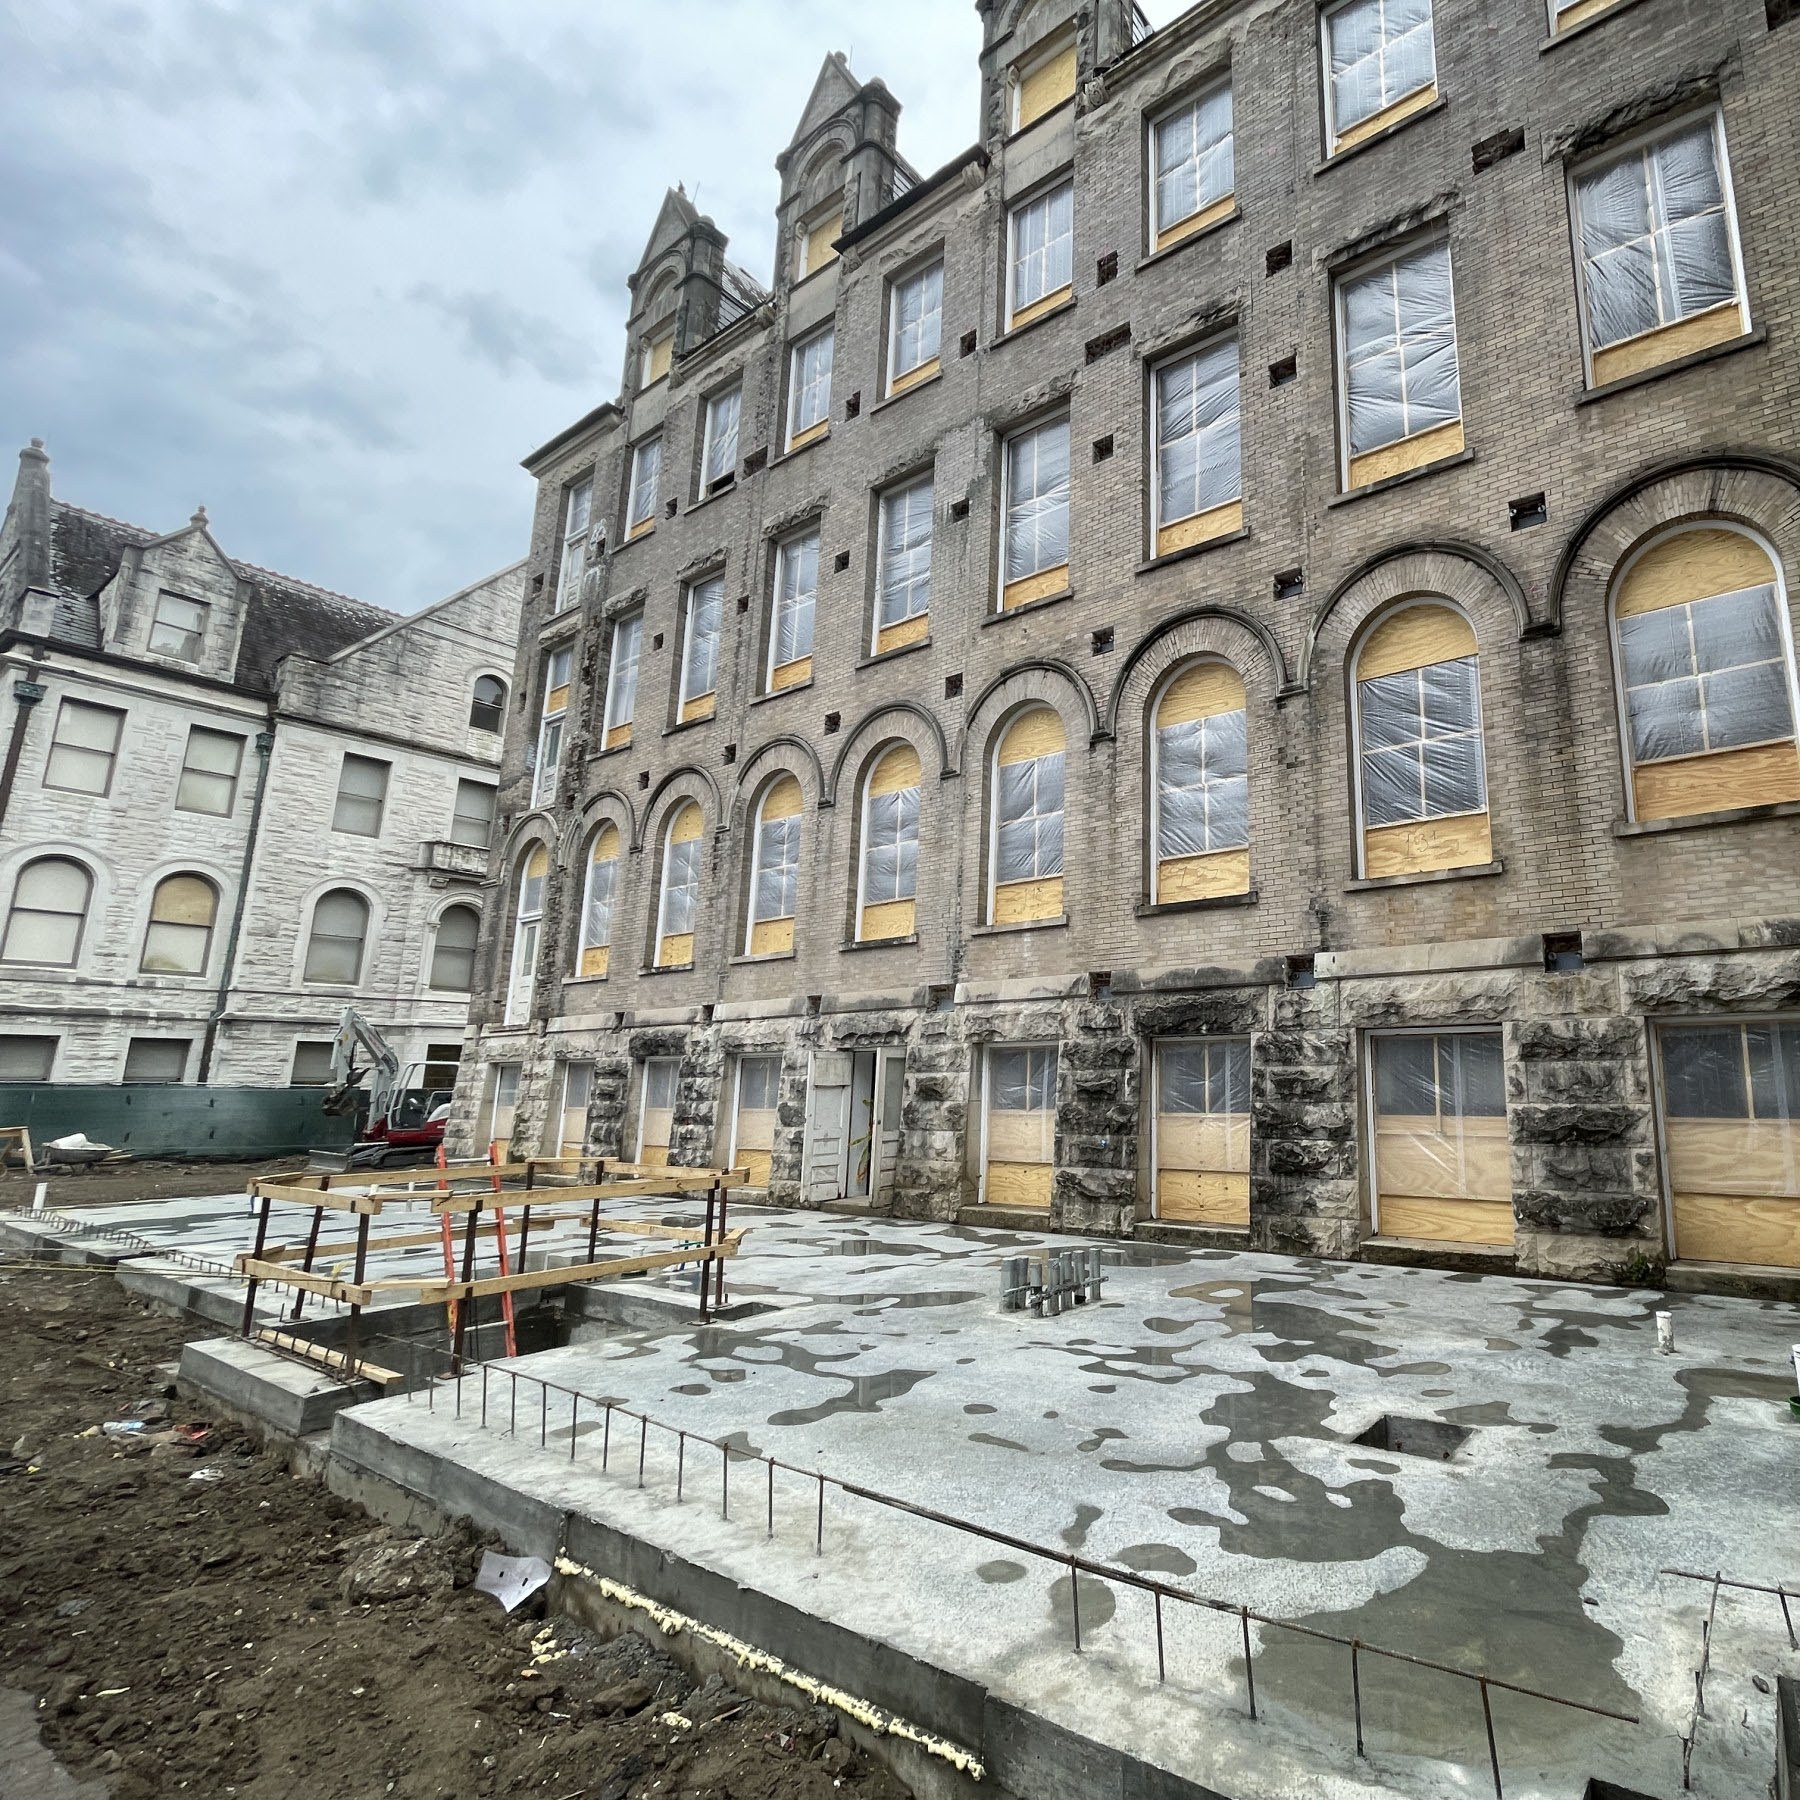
(1463, 842)
(1699, 331)
(1760, 775)
(1016, 902)
(433, 1293)
(1200, 528)
(1483, 1224)
(1203, 1196)
(329, 1286)
(1203, 690)
(673, 1183)
(1730, 1228)
(1018, 1184)
(417, 1240)
(1212, 876)
(1410, 453)
(284, 1195)
(325, 1357)
(1216, 1141)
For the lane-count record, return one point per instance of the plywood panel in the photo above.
(700, 707)
(1203, 1197)
(1750, 1157)
(891, 919)
(909, 631)
(1036, 310)
(1410, 453)
(1211, 877)
(1215, 522)
(1018, 902)
(755, 1129)
(687, 825)
(654, 1156)
(1692, 565)
(897, 770)
(771, 937)
(1020, 1137)
(757, 1163)
(1415, 637)
(594, 962)
(1031, 735)
(1389, 115)
(675, 951)
(1207, 215)
(1413, 1157)
(1218, 1141)
(1761, 775)
(1717, 325)
(819, 241)
(1203, 690)
(1481, 1223)
(913, 377)
(662, 357)
(1460, 843)
(641, 528)
(1046, 86)
(1728, 1228)
(790, 674)
(784, 799)
(1034, 587)
(1018, 1184)
(618, 737)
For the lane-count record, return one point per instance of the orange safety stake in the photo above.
(449, 1245)
(506, 1299)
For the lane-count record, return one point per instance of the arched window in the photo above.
(775, 869)
(183, 912)
(49, 909)
(1201, 786)
(1026, 854)
(1421, 775)
(340, 929)
(887, 903)
(534, 874)
(453, 949)
(678, 904)
(1706, 676)
(487, 708)
(597, 902)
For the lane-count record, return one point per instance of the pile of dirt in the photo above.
(199, 1622)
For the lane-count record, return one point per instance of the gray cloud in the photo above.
(507, 337)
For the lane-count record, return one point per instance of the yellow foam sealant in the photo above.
(747, 1656)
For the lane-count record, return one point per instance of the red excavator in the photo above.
(405, 1119)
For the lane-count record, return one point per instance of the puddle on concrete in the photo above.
(1086, 1517)
(980, 1406)
(866, 1393)
(1000, 1572)
(999, 1443)
(904, 1302)
(1097, 1605)
(1156, 1559)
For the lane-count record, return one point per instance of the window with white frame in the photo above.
(903, 565)
(361, 795)
(559, 668)
(775, 869)
(1197, 486)
(1658, 246)
(1202, 786)
(528, 921)
(646, 475)
(453, 949)
(1042, 261)
(578, 506)
(1193, 172)
(48, 914)
(719, 446)
(809, 389)
(678, 902)
(1034, 551)
(915, 326)
(622, 679)
(656, 1116)
(1402, 394)
(887, 903)
(472, 823)
(499, 1109)
(83, 748)
(795, 599)
(178, 627)
(700, 647)
(600, 886)
(1380, 65)
(1027, 845)
(339, 935)
(178, 939)
(209, 772)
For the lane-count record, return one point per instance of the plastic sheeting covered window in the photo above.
(1442, 1166)
(597, 901)
(1655, 235)
(1202, 786)
(1400, 369)
(646, 476)
(578, 506)
(1021, 1126)
(681, 888)
(700, 651)
(1043, 248)
(891, 862)
(753, 1128)
(1380, 52)
(1037, 501)
(720, 454)
(179, 938)
(1192, 148)
(1197, 467)
(622, 676)
(1421, 743)
(1203, 1131)
(905, 568)
(334, 947)
(48, 912)
(917, 324)
(656, 1124)
(796, 593)
(809, 411)
(776, 890)
(577, 1089)
(1028, 844)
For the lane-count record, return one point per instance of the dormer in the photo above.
(1036, 54)
(681, 293)
(178, 601)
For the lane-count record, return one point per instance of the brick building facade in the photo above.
(1221, 666)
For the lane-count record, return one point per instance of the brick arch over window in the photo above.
(885, 882)
(794, 754)
(689, 782)
(918, 725)
(1220, 631)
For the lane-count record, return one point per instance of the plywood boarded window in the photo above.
(1042, 260)
(809, 389)
(48, 913)
(1193, 167)
(1380, 66)
(819, 246)
(1442, 1169)
(754, 1118)
(1402, 390)
(1731, 1129)
(1420, 769)
(578, 509)
(595, 954)
(178, 941)
(903, 566)
(656, 1121)
(571, 1123)
(1043, 82)
(646, 479)
(679, 904)
(1028, 820)
(775, 869)
(1021, 1126)
(1197, 489)
(1202, 786)
(622, 680)
(1034, 551)
(1657, 236)
(1203, 1131)
(534, 877)
(915, 327)
(794, 601)
(659, 357)
(700, 648)
(1700, 618)
(887, 906)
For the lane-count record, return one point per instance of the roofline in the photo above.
(405, 619)
(217, 684)
(930, 185)
(533, 464)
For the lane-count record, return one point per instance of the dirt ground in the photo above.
(117, 1184)
(181, 1608)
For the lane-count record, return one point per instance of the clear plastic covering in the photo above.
(796, 588)
(681, 888)
(1381, 51)
(759, 1083)
(700, 654)
(776, 888)
(1421, 743)
(578, 507)
(1400, 372)
(1029, 839)
(1197, 432)
(723, 413)
(1748, 1071)
(811, 383)
(1202, 786)
(1043, 246)
(1193, 158)
(661, 1079)
(597, 903)
(532, 877)
(918, 318)
(1022, 1080)
(1037, 500)
(1706, 675)
(1212, 1076)
(891, 847)
(1440, 1116)
(1655, 242)
(646, 472)
(905, 553)
(622, 676)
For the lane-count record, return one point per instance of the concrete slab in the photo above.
(251, 1382)
(27, 1770)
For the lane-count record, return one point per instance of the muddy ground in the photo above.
(181, 1608)
(120, 1183)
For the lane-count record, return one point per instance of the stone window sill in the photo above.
(1155, 909)
(771, 956)
(1393, 481)
(1193, 237)
(1440, 104)
(893, 943)
(1152, 563)
(907, 392)
(1043, 318)
(570, 981)
(887, 656)
(1558, 38)
(1056, 924)
(1473, 872)
(686, 968)
(794, 450)
(616, 750)
(1731, 815)
(1030, 606)
(681, 725)
(1018, 131)
(1745, 341)
(799, 687)
(719, 493)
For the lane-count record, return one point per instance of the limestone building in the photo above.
(1221, 666)
(232, 804)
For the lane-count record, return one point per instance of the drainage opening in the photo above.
(1430, 1438)
(1597, 1789)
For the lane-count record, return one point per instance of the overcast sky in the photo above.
(333, 266)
